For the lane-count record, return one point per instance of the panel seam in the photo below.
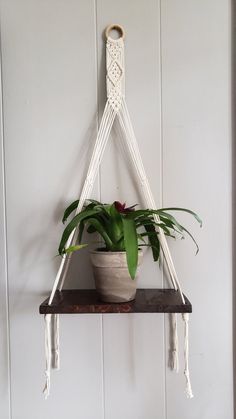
(103, 372)
(100, 194)
(97, 88)
(162, 193)
(4, 206)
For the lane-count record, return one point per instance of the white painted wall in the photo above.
(178, 93)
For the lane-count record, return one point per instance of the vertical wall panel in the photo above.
(133, 361)
(49, 76)
(4, 332)
(130, 386)
(197, 174)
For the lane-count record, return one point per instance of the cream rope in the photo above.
(51, 332)
(55, 342)
(48, 353)
(149, 199)
(189, 392)
(100, 144)
(115, 105)
(174, 349)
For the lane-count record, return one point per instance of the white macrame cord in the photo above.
(115, 106)
(174, 350)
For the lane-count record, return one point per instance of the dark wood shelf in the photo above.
(87, 301)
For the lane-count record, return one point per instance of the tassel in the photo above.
(188, 388)
(48, 354)
(46, 389)
(55, 342)
(174, 350)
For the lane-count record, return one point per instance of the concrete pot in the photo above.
(112, 279)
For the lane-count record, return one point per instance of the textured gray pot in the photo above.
(112, 279)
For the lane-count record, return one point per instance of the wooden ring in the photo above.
(118, 28)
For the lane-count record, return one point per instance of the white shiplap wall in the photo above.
(178, 93)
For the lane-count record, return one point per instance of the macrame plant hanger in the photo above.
(115, 108)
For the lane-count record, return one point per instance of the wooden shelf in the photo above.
(87, 301)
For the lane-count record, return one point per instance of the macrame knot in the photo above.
(143, 181)
(114, 47)
(115, 99)
(115, 73)
(89, 181)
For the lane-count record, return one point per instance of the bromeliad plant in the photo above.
(123, 229)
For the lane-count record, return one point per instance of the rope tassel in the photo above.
(189, 392)
(174, 349)
(48, 354)
(55, 342)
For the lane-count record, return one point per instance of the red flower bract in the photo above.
(121, 207)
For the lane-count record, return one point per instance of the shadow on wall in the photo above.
(233, 50)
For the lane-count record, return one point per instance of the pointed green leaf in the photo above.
(185, 210)
(72, 207)
(131, 245)
(81, 230)
(73, 224)
(180, 227)
(74, 248)
(153, 240)
(69, 210)
(100, 229)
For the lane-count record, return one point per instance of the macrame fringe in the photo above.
(48, 354)
(174, 350)
(188, 387)
(55, 342)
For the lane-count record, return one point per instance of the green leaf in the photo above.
(140, 237)
(115, 224)
(193, 239)
(185, 210)
(81, 230)
(131, 245)
(72, 207)
(74, 248)
(171, 225)
(140, 213)
(120, 245)
(171, 218)
(93, 201)
(180, 227)
(153, 240)
(73, 224)
(100, 229)
(69, 210)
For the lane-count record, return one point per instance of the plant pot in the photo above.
(112, 280)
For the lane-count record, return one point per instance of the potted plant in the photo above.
(124, 231)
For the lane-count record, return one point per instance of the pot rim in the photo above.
(109, 252)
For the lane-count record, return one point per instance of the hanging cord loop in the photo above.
(117, 28)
